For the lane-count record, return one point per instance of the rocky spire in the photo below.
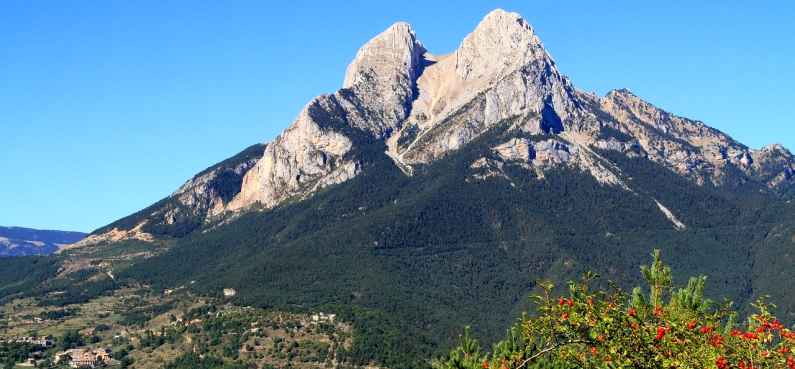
(393, 53)
(501, 43)
(383, 75)
(311, 154)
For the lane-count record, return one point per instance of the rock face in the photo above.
(312, 154)
(203, 198)
(688, 147)
(307, 156)
(421, 107)
(775, 165)
(551, 153)
(211, 191)
(695, 150)
(499, 71)
(383, 78)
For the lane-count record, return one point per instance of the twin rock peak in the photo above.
(422, 107)
(394, 90)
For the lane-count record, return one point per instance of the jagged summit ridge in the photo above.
(693, 149)
(423, 107)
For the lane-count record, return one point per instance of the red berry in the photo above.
(721, 362)
(716, 340)
(660, 333)
(750, 336)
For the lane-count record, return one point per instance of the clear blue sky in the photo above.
(108, 106)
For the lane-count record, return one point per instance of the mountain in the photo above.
(434, 191)
(423, 107)
(17, 241)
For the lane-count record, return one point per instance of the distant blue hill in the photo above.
(18, 241)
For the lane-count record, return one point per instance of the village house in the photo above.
(84, 358)
(323, 318)
(43, 342)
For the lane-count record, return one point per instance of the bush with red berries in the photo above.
(665, 327)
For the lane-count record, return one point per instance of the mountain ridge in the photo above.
(21, 241)
(424, 106)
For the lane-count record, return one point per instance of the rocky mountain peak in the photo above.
(628, 99)
(396, 52)
(776, 149)
(621, 93)
(383, 77)
(499, 71)
(775, 164)
(501, 43)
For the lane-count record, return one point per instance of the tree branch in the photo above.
(548, 349)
